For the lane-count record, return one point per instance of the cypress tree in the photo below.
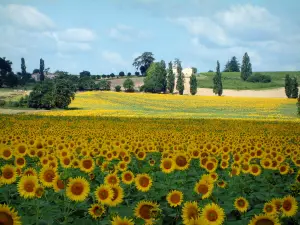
(23, 67)
(171, 78)
(246, 69)
(193, 84)
(42, 67)
(294, 88)
(217, 80)
(180, 79)
(287, 86)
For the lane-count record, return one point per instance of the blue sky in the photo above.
(105, 36)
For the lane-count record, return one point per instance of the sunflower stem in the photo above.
(37, 211)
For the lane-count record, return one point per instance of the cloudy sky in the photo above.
(105, 36)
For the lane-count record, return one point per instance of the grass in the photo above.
(174, 106)
(232, 80)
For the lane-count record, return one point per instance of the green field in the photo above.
(232, 80)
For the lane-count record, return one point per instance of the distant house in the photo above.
(37, 76)
(187, 72)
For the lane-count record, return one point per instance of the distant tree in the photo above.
(170, 78)
(143, 62)
(23, 67)
(180, 78)
(104, 85)
(42, 66)
(193, 84)
(194, 70)
(128, 85)
(84, 73)
(294, 88)
(121, 74)
(86, 83)
(137, 73)
(36, 71)
(210, 71)
(11, 80)
(47, 70)
(128, 74)
(60, 72)
(5, 68)
(234, 65)
(103, 76)
(217, 80)
(64, 93)
(246, 69)
(155, 80)
(112, 75)
(227, 67)
(118, 88)
(288, 85)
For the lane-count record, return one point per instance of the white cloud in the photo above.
(77, 35)
(114, 58)
(127, 33)
(26, 17)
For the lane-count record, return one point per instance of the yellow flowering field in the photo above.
(175, 106)
(125, 171)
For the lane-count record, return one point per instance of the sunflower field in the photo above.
(124, 171)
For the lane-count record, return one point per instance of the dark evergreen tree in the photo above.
(170, 78)
(23, 67)
(42, 67)
(180, 77)
(193, 84)
(155, 80)
(246, 69)
(294, 88)
(288, 85)
(234, 65)
(217, 80)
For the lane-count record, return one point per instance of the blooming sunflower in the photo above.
(284, 169)
(175, 198)
(167, 165)
(119, 221)
(118, 195)
(30, 172)
(289, 206)
(104, 194)
(20, 162)
(269, 208)
(78, 189)
(27, 186)
(96, 210)
(235, 171)
(8, 216)
(58, 184)
(198, 221)
(65, 162)
(47, 175)
(264, 219)
(122, 166)
(112, 179)
(203, 188)
(143, 182)
(211, 166)
(222, 183)
(190, 211)
(6, 153)
(214, 176)
(87, 165)
(241, 204)
(146, 210)
(277, 202)
(127, 177)
(212, 214)
(21, 150)
(39, 191)
(181, 161)
(9, 174)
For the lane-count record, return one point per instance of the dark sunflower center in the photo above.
(87, 164)
(128, 177)
(181, 161)
(67, 161)
(144, 181)
(116, 194)
(167, 165)
(112, 180)
(202, 189)
(8, 174)
(6, 219)
(212, 215)
(29, 187)
(60, 184)
(77, 189)
(20, 161)
(287, 205)
(103, 194)
(175, 198)
(241, 203)
(6, 153)
(145, 211)
(192, 213)
(49, 176)
(210, 166)
(264, 222)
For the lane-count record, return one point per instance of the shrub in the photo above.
(104, 85)
(142, 88)
(118, 88)
(259, 78)
(128, 85)
(137, 73)
(121, 74)
(2, 102)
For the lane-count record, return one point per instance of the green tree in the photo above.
(193, 84)
(170, 78)
(64, 93)
(246, 69)
(294, 88)
(128, 85)
(227, 67)
(86, 83)
(122, 74)
(217, 80)
(5, 68)
(84, 73)
(11, 80)
(234, 65)
(42, 67)
(36, 71)
(23, 67)
(143, 62)
(180, 77)
(288, 85)
(104, 85)
(155, 80)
